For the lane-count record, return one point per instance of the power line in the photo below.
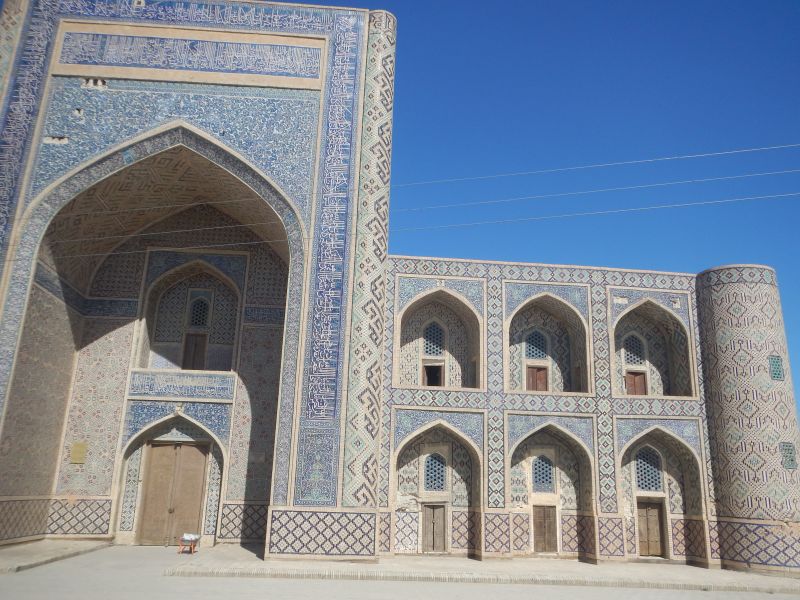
(146, 208)
(595, 166)
(594, 191)
(597, 212)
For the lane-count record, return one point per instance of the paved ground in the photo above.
(128, 573)
(17, 557)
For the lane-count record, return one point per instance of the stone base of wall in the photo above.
(756, 545)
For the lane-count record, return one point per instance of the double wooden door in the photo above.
(651, 517)
(544, 529)
(434, 529)
(536, 379)
(174, 485)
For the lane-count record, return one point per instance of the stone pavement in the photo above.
(228, 560)
(17, 557)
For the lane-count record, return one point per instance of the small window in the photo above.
(198, 313)
(635, 383)
(544, 480)
(536, 346)
(432, 375)
(434, 340)
(536, 379)
(788, 455)
(776, 368)
(434, 473)
(648, 470)
(633, 350)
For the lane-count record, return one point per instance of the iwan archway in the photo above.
(152, 283)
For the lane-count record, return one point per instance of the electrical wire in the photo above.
(595, 166)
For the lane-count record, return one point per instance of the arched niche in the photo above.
(437, 481)
(454, 358)
(546, 348)
(651, 353)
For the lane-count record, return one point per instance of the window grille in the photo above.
(634, 350)
(536, 346)
(648, 470)
(198, 313)
(434, 473)
(434, 340)
(776, 368)
(543, 475)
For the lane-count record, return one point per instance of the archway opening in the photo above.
(662, 499)
(547, 348)
(162, 285)
(652, 353)
(550, 492)
(439, 343)
(437, 496)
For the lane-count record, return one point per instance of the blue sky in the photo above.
(489, 88)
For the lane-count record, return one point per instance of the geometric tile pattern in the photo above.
(411, 287)
(23, 518)
(772, 545)
(406, 533)
(243, 522)
(464, 529)
(520, 531)
(365, 385)
(384, 532)
(469, 424)
(612, 540)
(79, 517)
(327, 533)
(496, 533)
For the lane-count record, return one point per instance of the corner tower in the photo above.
(752, 418)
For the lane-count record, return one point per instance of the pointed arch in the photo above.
(569, 367)
(464, 332)
(669, 365)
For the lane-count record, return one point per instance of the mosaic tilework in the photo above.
(264, 315)
(32, 438)
(520, 426)
(521, 532)
(12, 16)
(612, 537)
(687, 430)
(406, 532)
(141, 413)
(674, 302)
(79, 517)
(770, 545)
(254, 415)
(155, 384)
(213, 488)
(384, 532)
(577, 296)
(243, 522)
(496, 533)
(688, 538)
(470, 424)
(89, 307)
(464, 529)
(410, 288)
(750, 412)
(152, 52)
(292, 113)
(328, 533)
(559, 354)
(96, 407)
(23, 518)
(131, 490)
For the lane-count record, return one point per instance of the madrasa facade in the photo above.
(202, 329)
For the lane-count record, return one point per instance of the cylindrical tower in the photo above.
(752, 417)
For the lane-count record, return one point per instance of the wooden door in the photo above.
(194, 351)
(544, 529)
(536, 379)
(650, 528)
(635, 384)
(172, 502)
(433, 528)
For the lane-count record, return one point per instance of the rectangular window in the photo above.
(635, 383)
(536, 379)
(788, 455)
(432, 375)
(776, 368)
(194, 351)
